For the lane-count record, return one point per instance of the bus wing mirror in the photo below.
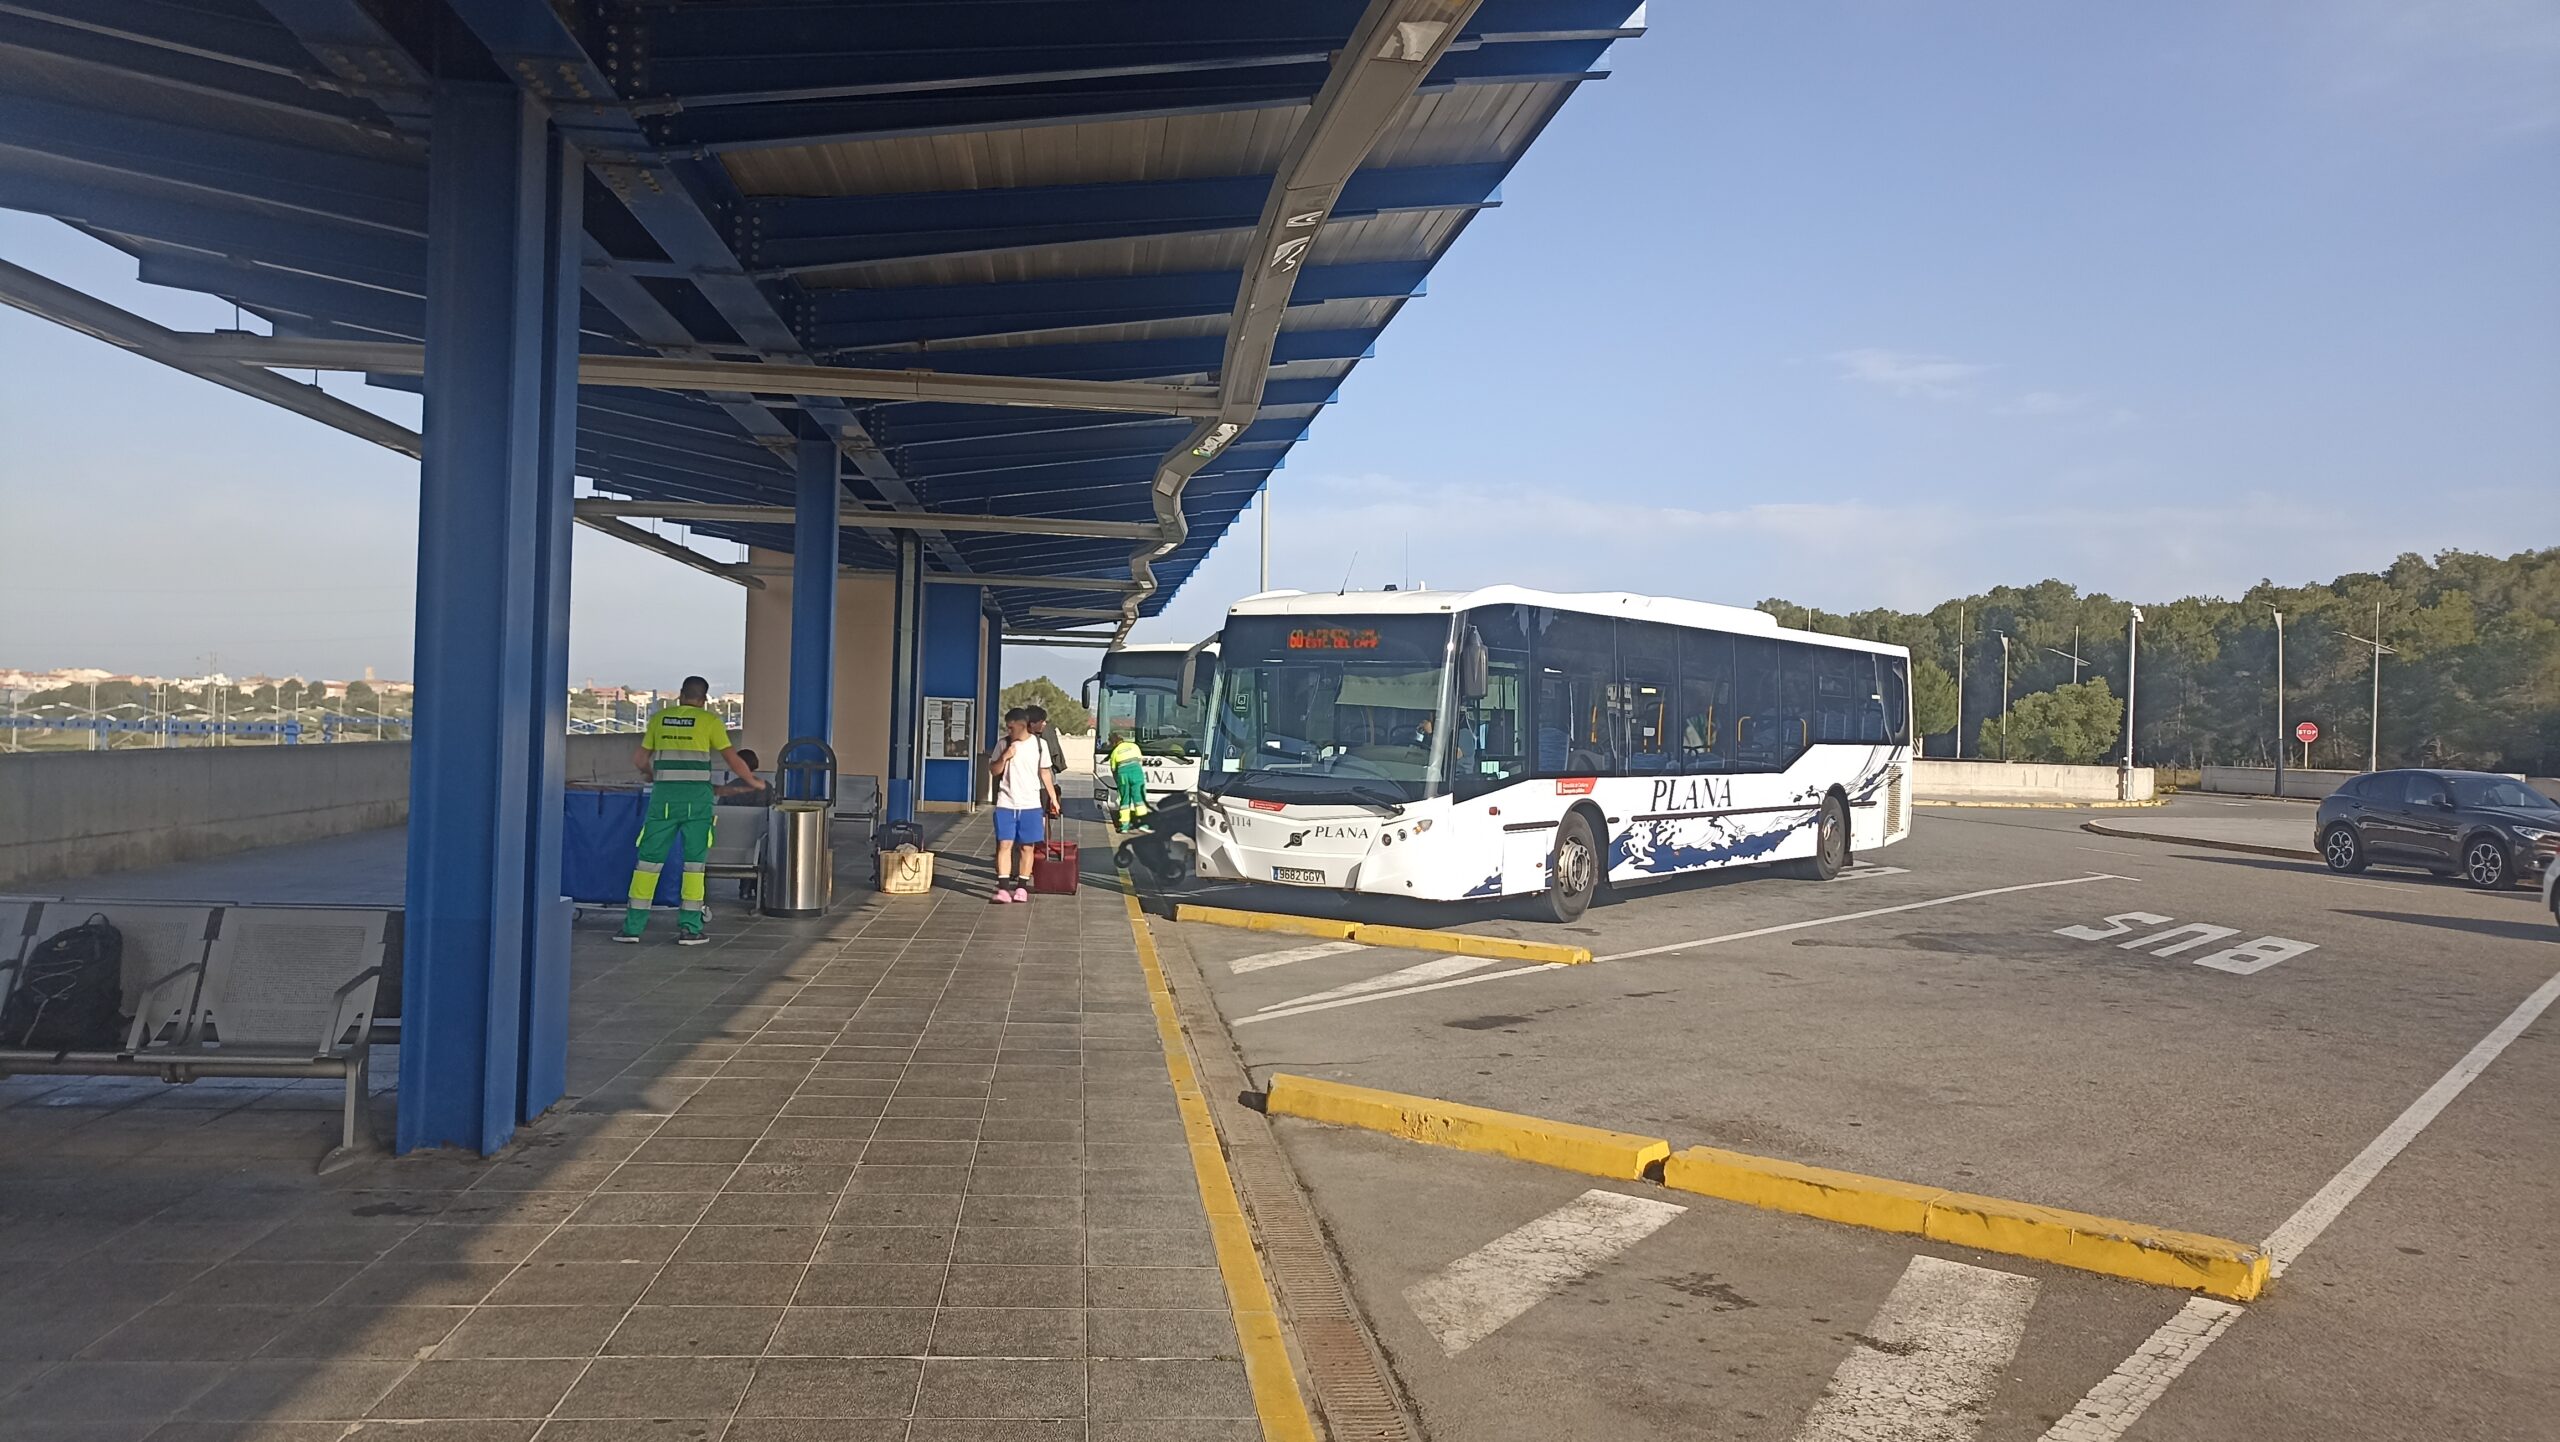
(1191, 669)
(1474, 668)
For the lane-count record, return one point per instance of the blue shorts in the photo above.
(1022, 825)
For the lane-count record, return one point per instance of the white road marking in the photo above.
(1471, 1298)
(1859, 915)
(2120, 1399)
(1387, 995)
(1268, 959)
(1296, 1009)
(1432, 970)
(1930, 1359)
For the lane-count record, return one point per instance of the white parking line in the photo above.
(1385, 995)
(1432, 970)
(1857, 916)
(1930, 1360)
(1305, 1005)
(1471, 1298)
(1268, 959)
(2120, 1399)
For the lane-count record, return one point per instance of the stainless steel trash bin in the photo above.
(797, 873)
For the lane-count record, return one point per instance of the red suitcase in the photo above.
(1054, 870)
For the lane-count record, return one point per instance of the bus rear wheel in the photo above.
(1573, 871)
(1830, 843)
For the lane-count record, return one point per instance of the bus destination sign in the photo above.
(1335, 638)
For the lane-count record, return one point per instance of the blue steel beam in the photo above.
(345, 253)
(536, 44)
(818, 232)
(756, 53)
(194, 31)
(83, 54)
(180, 161)
(481, 607)
(820, 122)
(860, 319)
(815, 528)
(1129, 360)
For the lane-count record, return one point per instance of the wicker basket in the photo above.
(906, 873)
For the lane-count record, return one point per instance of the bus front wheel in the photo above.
(1573, 871)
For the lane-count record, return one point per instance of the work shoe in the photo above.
(691, 938)
(627, 938)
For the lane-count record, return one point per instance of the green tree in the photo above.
(1933, 698)
(2072, 725)
(1064, 712)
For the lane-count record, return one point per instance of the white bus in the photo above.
(1511, 742)
(1141, 693)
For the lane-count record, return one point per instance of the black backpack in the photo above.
(70, 992)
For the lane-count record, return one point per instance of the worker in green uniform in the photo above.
(1129, 770)
(675, 754)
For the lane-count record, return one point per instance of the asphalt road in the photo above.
(1926, 1018)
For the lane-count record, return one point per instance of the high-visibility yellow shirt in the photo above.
(1124, 752)
(682, 742)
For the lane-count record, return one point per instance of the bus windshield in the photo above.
(1141, 697)
(1330, 709)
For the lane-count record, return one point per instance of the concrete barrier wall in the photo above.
(77, 813)
(1967, 780)
(2314, 785)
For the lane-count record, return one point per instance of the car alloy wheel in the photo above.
(2485, 865)
(2342, 850)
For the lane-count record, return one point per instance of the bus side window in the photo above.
(1893, 697)
(1706, 708)
(1577, 664)
(1495, 726)
(1762, 735)
(1648, 672)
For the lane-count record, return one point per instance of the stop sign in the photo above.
(2307, 732)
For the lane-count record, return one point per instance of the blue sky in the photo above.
(1864, 304)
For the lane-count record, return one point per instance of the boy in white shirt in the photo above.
(1025, 790)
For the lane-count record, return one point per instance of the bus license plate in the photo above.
(1304, 876)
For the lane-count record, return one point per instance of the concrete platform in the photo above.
(910, 1170)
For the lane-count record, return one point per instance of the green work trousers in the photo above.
(678, 812)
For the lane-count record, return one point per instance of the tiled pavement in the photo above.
(909, 1171)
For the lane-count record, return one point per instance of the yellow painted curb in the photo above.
(1267, 1369)
(1462, 943)
(2192, 1261)
(1592, 1150)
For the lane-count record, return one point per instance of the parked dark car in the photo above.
(2491, 831)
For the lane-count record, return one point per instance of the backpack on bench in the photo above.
(70, 991)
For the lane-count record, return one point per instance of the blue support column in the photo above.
(950, 667)
(486, 619)
(814, 550)
(543, 1062)
(906, 699)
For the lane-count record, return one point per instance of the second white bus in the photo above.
(1507, 742)
(1141, 695)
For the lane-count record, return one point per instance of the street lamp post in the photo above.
(1960, 649)
(2004, 697)
(2072, 655)
(2280, 700)
(2132, 662)
(2373, 753)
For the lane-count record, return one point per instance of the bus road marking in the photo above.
(1419, 972)
(2247, 959)
(1857, 916)
(1268, 959)
(1926, 1367)
(1473, 1297)
(2121, 1397)
(1307, 1004)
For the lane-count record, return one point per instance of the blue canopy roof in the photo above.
(984, 187)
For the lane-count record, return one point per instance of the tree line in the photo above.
(2472, 679)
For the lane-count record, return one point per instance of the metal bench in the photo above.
(236, 991)
(737, 840)
(858, 799)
